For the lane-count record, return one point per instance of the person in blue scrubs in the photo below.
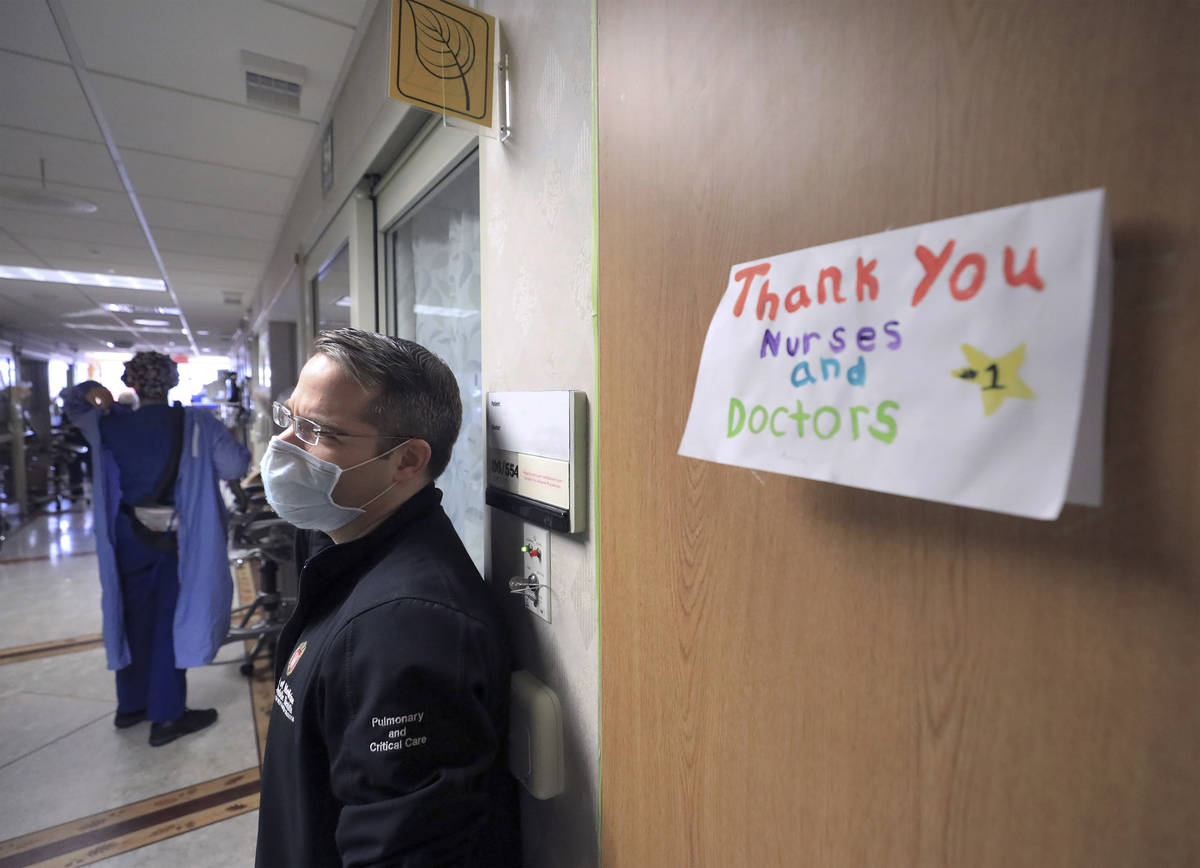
(159, 619)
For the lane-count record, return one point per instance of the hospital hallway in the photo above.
(74, 790)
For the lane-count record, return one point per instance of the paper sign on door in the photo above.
(961, 361)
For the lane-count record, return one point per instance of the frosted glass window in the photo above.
(434, 254)
(331, 292)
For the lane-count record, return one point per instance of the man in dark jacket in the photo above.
(388, 737)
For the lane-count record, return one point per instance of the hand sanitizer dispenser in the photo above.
(535, 737)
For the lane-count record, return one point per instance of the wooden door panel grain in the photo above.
(796, 673)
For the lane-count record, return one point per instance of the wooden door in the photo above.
(795, 673)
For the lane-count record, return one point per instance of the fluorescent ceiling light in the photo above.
(105, 356)
(51, 275)
(134, 308)
(113, 327)
(344, 301)
(151, 322)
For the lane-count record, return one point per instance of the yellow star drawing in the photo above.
(997, 378)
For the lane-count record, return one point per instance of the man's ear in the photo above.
(413, 459)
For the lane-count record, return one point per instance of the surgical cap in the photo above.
(151, 373)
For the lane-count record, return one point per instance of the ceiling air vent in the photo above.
(272, 84)
(231, 297)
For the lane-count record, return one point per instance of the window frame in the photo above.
(432, 157)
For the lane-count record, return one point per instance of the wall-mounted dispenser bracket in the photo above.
(536, 457)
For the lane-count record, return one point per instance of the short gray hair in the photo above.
(416, 393)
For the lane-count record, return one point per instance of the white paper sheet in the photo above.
(951, 361)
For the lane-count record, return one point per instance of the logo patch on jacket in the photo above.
(295, 658)
(285, 699)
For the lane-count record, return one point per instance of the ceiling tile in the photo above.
(68, 161)
(174, 241)
(92, 228)
(211, 264)
(11, 250)
(172, 214)
(112, 206)
(42, 96)
(166, 122)
(196, 47)
(346, 12)
(45, 309)
(212, 174)
(160, 213)
(43, 299)
(74, 255)
(185, 277)
(188, 181)
(29, 29)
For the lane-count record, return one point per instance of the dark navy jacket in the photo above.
(388, 739)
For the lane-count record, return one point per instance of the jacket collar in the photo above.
(346, 562)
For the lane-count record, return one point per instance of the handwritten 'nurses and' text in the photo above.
(964, 281)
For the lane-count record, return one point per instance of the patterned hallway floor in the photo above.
(76, 791)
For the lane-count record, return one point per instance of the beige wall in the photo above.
(537, 334)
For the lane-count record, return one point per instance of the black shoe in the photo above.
(192, 720)
(125, 719)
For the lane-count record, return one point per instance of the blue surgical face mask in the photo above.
(299, 487)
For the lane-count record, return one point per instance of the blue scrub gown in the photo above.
(141, 445)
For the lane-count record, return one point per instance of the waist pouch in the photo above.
(154, 521)
(160, 519)
(153, 525)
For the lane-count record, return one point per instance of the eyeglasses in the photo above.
(308, 431)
